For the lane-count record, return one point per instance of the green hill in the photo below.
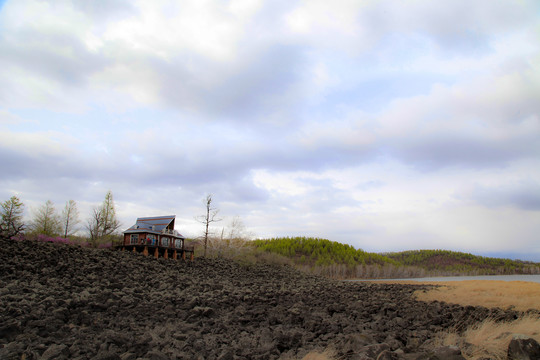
(458, 262)
(315, 251)
(338, 260)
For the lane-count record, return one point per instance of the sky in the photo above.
(385, 125)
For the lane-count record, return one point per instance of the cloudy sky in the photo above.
(388, 125)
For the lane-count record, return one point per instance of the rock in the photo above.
(11, 351)
(107, 356)
(288, 340)
(373, 351)
(354, 342)
(128, 356)
(9, 331)
(55, 352)
(226, 355)
(156, 355)
(448, 353)
(413, 343)
(387, 355)
(202, 311)
(523, 348)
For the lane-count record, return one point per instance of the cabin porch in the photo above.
(159, 251)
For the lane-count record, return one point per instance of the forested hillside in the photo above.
(315, 251)
(333, 259)
(330, 258)
(458, 262)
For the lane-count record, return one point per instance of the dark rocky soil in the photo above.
(66, 302)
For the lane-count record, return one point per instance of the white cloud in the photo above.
(50, 143)
(164, 28)
(388, 126)
(316, 17)
(283, 184)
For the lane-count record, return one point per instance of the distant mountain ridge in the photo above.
(339, 260)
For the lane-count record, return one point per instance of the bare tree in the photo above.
(235, 234)
(237, 230)
(11, 224)
(70, 218)
(46, 220)
(207, 219)
(234, 238)
(103, 221)
(94, 225)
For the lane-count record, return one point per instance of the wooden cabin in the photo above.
(156, 236)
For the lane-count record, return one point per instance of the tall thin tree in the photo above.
(103, 221)
(70, 218)
(94, 225)
(208, 218)
(109, 221)
(11, 223)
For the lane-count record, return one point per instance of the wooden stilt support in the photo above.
(123, 248)
(191, 257)
(183, 255)
(175, 255)
(156, 253)
(134, 249)
(166, 255)
(145, 251)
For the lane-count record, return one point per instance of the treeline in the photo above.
(453, 262)
(320, 252)
(342, 261)
(334, 259)
(48, 224)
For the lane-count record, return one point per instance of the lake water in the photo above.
(529, 278)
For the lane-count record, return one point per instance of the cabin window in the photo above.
(152, 239)
(164, 241)
(178, 244)
(134, 239)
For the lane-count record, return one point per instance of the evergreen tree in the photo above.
(110, 222)
(12, 223)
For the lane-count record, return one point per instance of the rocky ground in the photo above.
(65, 302)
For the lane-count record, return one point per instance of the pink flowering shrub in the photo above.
(76, 240)
(57, 240)
(51, 239)
(18, 237)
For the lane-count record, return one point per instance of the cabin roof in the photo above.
(153, 225)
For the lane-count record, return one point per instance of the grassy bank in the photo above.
(519, 295)
(490, 338)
